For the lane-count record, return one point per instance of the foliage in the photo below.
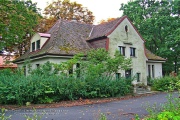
(66, 10)
(166, 83)
(55, 83)
(2, 115)
(34, 117)
(168, 111)
(159, 23)
(102, 117)
(18, 18)
(19, 89)
(105, 21)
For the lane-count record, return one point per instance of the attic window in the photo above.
(126, 28)
(33, 46)
(38, 44)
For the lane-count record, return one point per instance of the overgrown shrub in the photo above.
(15, 89)
(44, 85)
(170, 110)
(165, 83)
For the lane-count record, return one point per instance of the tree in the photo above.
(97, 63)
(108, 20)
(158, 23)
(65, 10)
(18, 19)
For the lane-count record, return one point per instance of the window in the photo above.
(152, 71)
(38, 44)
(118, 75)
(126, 28)
(24, 68)
(149, 71)
(122, 50)
(70, 71)
(33, 46)
(37, 65)
(132, 52)
(138, 77)
(78, 69)
(128, 73)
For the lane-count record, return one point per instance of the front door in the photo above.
(128, 73)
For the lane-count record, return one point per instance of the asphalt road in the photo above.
(117, 110)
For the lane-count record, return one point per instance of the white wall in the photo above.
(157, 69)
(43, 40)
(41, 61)
(119, 37)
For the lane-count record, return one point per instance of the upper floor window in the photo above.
(126, 28)
(132, 52)
(38, 44)
(122, 50)
(33, 46)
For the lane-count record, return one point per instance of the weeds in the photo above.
(2, 115)
(34, 117)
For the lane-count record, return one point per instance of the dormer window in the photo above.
(38, 44)
(33, 46)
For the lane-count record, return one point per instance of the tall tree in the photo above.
(64, 9)
(159, 23)
(108, 20)
(17, 21)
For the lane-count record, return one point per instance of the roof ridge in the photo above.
(91, 31)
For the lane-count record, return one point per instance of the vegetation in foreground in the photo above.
(171, 109)
(56, 82)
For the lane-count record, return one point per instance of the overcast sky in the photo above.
(102, 9)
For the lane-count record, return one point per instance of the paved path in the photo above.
(117, 110)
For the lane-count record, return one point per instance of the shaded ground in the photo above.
(115, 109)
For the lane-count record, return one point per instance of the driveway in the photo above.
(117, 110)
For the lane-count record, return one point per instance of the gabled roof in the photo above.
(70, 37)
(151, 56)
(105, 28)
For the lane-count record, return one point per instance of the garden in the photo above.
(53, 82)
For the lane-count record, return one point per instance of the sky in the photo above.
(102, 9)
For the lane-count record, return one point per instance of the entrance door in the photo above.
(128, 73)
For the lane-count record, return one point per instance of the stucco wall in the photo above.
(43, 40)
(119, 37)
(41, 61)
(157, 69)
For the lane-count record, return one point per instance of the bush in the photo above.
(165, 83)
(19, 89)
(170, 110)
(44, 85)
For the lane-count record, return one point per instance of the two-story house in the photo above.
(67, 38)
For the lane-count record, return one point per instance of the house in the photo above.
(67, 38)
(5, 62)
